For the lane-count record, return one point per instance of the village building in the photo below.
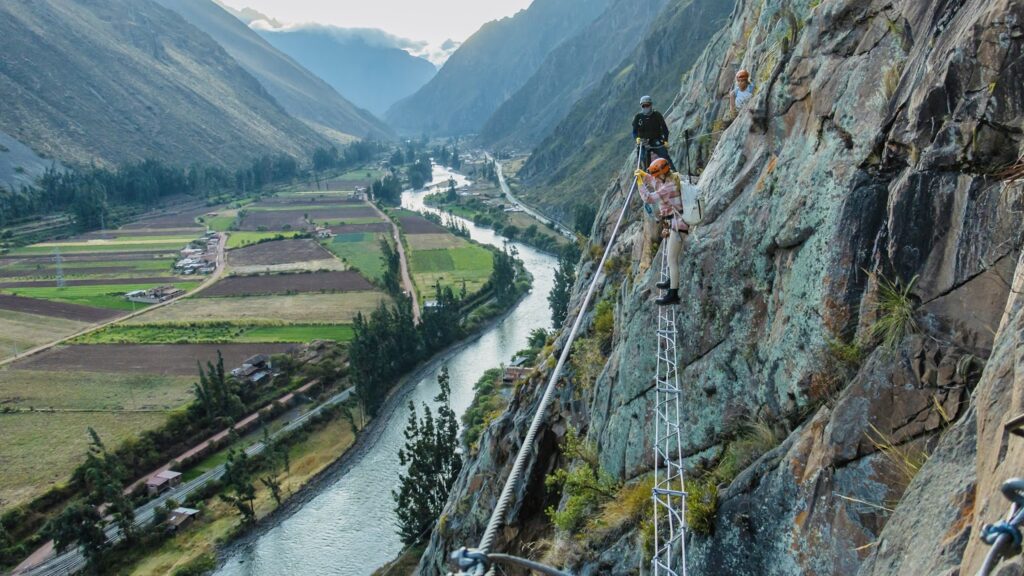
(254, 370)
(154, 295)
(516, 370)
(181, 518)
(162, 481)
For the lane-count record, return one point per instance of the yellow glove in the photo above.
(639, 141)
(640, 173)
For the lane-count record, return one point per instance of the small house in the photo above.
(255, 369)
(513, 373)
(156, 485)
(181, 518)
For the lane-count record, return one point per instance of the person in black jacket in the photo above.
(649, 129)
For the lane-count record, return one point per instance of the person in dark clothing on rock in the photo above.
(649, 129)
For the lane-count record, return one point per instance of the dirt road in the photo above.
(404, 265)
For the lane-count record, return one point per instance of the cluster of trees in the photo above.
(92, 193)
(352, 155)
(266, 170)
(432, 462)
(103, 477)
(488, 171)
(583, 218)
(503, 276)
(448, 156)
(387, 190)
(420, 173)
(558, 298)
(388, 343)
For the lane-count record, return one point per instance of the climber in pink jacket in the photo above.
(662, 187)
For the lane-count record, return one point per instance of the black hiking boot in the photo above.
(670, 297)
(663, 285)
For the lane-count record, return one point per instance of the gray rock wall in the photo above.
(873, 145)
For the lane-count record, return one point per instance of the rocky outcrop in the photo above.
(868, 158)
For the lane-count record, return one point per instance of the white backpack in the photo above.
(693, 204)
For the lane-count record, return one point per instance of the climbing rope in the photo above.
(669, 492)
(1005, 535)
(512, 482)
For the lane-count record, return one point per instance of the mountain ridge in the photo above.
(117, 81)
(299, 91)
(489, 67)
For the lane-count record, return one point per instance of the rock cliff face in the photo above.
(871, 156)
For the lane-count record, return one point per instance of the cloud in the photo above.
(436, 54)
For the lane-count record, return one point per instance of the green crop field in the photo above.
(432, 261)
(34, 462)
(361, 251)
(341, 221)
(219, 223)
(298, 333)
(102, 296)
(216, 333)
(44, 249)
(469, 263)
(240, 239)
(362, 174)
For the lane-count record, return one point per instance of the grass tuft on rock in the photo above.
(896, 312)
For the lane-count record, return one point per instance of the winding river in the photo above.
(348, 528)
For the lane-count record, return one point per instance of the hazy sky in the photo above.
(431, 20)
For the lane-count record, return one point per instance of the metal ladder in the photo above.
(669, 493)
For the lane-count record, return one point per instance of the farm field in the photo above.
(450, 267)
(107, 391)
(216, 332)
(20, 331)
(360, 250)
(338, 308)
(155, 359)
(35, 460)
(348, 281)
(241, 239)
(109, 296)
(282, 256)
(437, 255)
(55, 309)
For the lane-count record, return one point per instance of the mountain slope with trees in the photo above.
(568, 167)
(116, 81)
(490, 66)
(299, 91)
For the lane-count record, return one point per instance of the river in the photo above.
(348, 529)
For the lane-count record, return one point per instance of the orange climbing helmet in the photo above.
(659, 167)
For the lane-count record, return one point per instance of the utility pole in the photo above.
(59, 261)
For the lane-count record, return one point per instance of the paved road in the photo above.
(404, 264)
(72, 560)
(508, 193)
(209, 281)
